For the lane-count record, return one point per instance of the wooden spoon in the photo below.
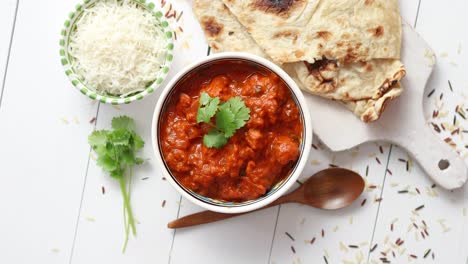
(328, 189)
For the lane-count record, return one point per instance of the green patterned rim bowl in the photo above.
(76, 80)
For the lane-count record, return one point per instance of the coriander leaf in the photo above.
(123, 122)
(239, 109)
(225, 121)
(116, 150)
(214, 139)
(117, 173)
(138, 142)
(98, 138)
(120, 137)
(207, 108)
(127, 157)
(205, 98)
(100, 150)
(106, 163)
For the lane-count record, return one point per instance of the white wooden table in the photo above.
(56, 206)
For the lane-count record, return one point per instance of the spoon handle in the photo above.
(206, 217)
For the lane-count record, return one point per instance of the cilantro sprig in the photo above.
(230, 116)
(116, 150)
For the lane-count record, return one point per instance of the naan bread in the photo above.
(351, 81)
(377, 79)
(309, 30)
(222, 30)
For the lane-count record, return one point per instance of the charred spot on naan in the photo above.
(278, 7)
(211, 26)
(325, 74)
(289, 34)
(368, 2)
(377, 32)
(325, 35)
(391, 83)
(374, 112)
(367, 66)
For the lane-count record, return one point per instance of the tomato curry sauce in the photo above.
(258, 156)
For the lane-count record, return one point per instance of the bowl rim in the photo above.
(307, 138)
(91, 93)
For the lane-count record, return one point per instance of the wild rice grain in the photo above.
(103, 190)
(323, 233)
(353, 246)
(289, 235)
(373, 248)
(431, 93)
(293, 249)
(363, 202)
(436, 127)
(180, 15)
(420, 207)
(163, 203)
(378, 161)
(325, 258)
(312, 241)
(427, 253)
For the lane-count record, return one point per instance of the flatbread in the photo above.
(309, 30)
(365, 88)
(222, 30)
(352, 81)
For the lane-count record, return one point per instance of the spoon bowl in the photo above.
(329, 189)
(333, 188)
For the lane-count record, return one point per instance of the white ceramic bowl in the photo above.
(279, 189)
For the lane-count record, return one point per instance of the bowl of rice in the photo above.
(116, 51)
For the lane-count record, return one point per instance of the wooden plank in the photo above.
(44, 153)
(442, 216)
(7, 17)
(237, 240)
(101, 220)
(342, 229)
(444, 213)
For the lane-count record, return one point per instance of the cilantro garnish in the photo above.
(116, 150)
(230, 116)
